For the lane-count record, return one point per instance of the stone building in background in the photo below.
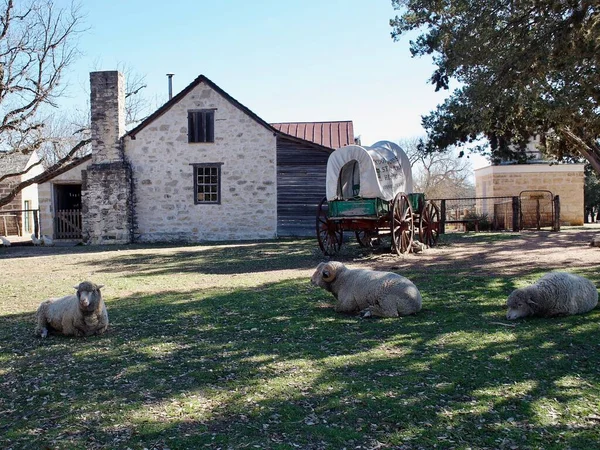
(202, 167)
(534, 183)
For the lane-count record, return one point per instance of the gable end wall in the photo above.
(161, 159)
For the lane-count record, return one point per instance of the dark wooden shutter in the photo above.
(191, 127)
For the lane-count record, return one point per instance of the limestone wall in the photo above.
(106, 184)
(565, 180)
(106, 204)
(162, 162)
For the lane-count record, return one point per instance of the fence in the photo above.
(479, 214)
(529, 210)
(20, 222)
(67, 224)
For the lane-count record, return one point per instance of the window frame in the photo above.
(213, 165)
(204, 135)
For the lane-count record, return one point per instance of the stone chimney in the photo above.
(107, 101)
(106, 183)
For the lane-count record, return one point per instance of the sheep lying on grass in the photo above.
(555, 294)
(369, 292)
(80, 314)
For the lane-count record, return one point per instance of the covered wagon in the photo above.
(369, 192)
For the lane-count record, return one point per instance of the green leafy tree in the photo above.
(523, 68)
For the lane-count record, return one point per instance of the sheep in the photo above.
(369, 292)
(5, 242)
(555, 294)
(35, 240)
(47, 241)
(80, 314)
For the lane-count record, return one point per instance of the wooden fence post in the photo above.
(516, 213)
(36, 223)
(556, 225)
(442, 216)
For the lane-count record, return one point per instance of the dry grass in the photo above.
(228, 346)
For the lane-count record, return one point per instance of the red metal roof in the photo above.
(328, 134)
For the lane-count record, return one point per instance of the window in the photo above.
(201, 126)
(207, 183)
(26, 214)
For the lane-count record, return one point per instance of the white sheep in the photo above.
(555, 294)
(369, 292)
(47, 241)
(80, 314)
(5, 242)
(35, 240)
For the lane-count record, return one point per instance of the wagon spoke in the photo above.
(402, 224)
(429, 224)
(329, 233)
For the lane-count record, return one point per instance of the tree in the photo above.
(524, 68)
(37, 44)
(438, 175)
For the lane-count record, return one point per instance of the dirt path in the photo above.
(509, 254)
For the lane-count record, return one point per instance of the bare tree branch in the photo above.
(18, 174)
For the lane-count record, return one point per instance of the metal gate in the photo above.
(537, 210)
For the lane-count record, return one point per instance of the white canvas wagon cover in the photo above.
(379, 171)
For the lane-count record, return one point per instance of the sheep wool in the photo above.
(81, 314)
(555, 294)
(369, 292)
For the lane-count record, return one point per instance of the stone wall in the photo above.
(10, 224)
(106, 203)
(565, 180)
(162, 163)
(106, 184)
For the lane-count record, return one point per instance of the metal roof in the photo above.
(328, 134)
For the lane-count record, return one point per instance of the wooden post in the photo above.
(36, 223)
(556, 225)
(516, 211)
(443, 216)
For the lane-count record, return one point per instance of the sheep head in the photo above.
(326, 273)
(89, 296)
(521, 303)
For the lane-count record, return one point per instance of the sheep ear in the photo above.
(76, 288)
(531, 300)
(328, 273)
(100, 286)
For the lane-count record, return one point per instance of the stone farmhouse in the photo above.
(203, 167)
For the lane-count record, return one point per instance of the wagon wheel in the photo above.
(367, 238)
(402, 224)
(329, 233)
(429, 224)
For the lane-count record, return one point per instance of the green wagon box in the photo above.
(358, 207)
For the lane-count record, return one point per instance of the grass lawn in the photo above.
(229, 346)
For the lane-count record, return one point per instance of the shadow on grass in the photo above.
(276, 367)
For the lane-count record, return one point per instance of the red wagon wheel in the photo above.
(402, 224)
(429, 224)
(329, 233)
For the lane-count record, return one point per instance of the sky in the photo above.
(287, 61)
